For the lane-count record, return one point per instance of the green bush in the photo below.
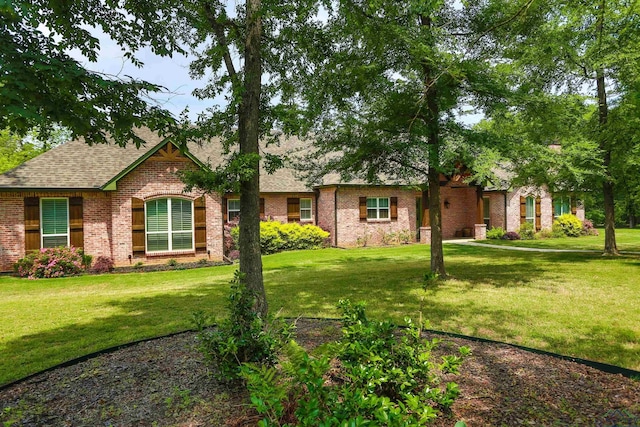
(545, 233)
(495, 233)
(277, 237)
(242, 337)
(375, 375)
(568, 225)
(51, 262)
(527, 231)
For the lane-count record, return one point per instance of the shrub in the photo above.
(527, 231)
(172, 262)
(86, 260)
(375, 375)
(511, 235)
(545, 233)
(103, 264)
(495, 233)
(230, 235)
(50, 262)
(567, 224)
(242, 337)
(588, 229)
(277, 237)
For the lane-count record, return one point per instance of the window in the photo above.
(169, 225)
(561, 205)
(305, 209)
(531, 210)
(377, 208)
(54, 222)
(486, 207)
(233, 209)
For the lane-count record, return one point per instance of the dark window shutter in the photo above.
(538, 213)
(574, 205)
(225, 212)
(200, 224)
(137, 226)
(76, 224)
(523, 210)
(393, 212)
(31, 223)
(262, 215)
(293, 209)
(363, 209)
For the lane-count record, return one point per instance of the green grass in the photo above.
(582, 305)
(626, 239)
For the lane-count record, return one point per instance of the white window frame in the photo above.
(235, 211)
(306, 214)
(532, 218)
(42, 235)
(169, 231)
(562, 212)
(377, 209)
(486, 211)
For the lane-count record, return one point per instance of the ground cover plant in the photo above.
(582, 305)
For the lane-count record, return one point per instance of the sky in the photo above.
(171, 73)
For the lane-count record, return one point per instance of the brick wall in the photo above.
(326, 212)
(462, 211)
(153, 179)
(349, 227)
(275, 205)
(11, 230)
(96, 223)
(513, 207)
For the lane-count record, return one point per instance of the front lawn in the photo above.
(628, 240)
(581, 305)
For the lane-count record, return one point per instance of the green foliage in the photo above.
(527, 231)
(495, 233)
(374, 375)
(277, 237)
(568, 225)
(545, 233)
(172, 262)
(242, 337)
(50, 262)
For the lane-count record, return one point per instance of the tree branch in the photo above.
(219, 30)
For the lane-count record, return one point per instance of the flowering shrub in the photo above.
(511, 235)
(230, 237)
(567, 224)
(50, 262)
(103, 264)
(588, 229)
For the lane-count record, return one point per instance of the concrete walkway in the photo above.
(471, 242)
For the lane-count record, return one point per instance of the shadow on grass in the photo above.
(137, 318)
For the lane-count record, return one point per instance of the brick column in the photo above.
(425, 235)
(480, 231)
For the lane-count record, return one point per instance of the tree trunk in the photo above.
(248, 134)
(610, 247)
(433, 124)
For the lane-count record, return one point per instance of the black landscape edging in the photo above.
(604, 367)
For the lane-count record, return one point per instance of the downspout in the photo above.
(505, 211)
(335, 216)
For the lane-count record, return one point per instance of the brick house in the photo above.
(129, 205)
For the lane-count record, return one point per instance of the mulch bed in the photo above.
(164, 382)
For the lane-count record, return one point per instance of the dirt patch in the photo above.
(165, 383)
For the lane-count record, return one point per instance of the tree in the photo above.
(582, 47)
(390, 84)
(15, 150)
(41, 85)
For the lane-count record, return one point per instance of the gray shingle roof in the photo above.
(76, 165)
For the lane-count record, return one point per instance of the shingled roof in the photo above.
(76, 165)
